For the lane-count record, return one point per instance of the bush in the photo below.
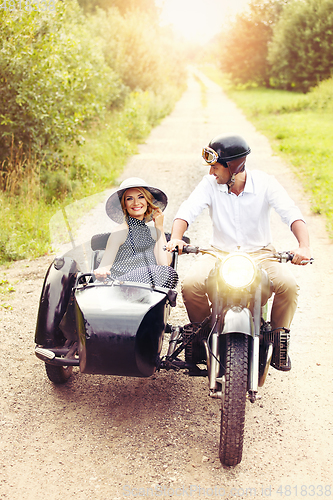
(138, 50)
(68, 120)
(53, 78)
(301, 49)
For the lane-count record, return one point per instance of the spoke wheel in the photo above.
(234, 399)
(58, 374)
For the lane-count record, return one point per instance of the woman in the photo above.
(132, 253)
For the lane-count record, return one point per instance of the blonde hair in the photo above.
(148, 197)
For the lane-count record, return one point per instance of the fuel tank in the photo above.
(120, 328)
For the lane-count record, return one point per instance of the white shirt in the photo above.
(241, 222)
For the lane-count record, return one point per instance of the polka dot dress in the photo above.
(135, 259)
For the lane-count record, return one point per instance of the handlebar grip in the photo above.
(291, 256)
(190, 249)
(288, 256)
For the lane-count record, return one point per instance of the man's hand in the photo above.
(302, 256)
(178, 229)
(173, 243)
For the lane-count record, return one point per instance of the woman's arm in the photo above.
(116, 239)
(163, 258)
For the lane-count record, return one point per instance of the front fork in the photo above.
(216, 382)
(216, 379)
(253, 379)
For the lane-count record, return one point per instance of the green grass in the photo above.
(300, 129)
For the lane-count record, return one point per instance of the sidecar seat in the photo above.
(98, 245)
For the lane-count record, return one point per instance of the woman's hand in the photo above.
(158, 219)
(102, 273)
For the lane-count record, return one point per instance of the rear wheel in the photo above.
(58, 374)
(235, 361)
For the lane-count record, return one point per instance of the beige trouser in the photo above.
(194, 289)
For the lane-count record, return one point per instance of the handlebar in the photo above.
(282, 257)
(190, 249)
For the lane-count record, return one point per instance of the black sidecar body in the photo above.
(111, 328)
(117, 328)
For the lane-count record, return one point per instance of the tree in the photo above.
(301, 50)
(137, 49)
(53, 78)
(245, 45)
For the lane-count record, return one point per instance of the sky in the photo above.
(198, 20)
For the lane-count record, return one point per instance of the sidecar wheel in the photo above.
(58, 374)
(234, 398)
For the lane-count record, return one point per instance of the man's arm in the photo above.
(303, 252)
(178, 229)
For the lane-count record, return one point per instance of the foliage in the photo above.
(78, 92)
(109, 144)
(52, 79)
(138, 50)
(23, 227)
(302, 46)
(321, 97)
(87, 168)
(244, 47)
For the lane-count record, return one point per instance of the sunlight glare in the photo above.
(198, 20)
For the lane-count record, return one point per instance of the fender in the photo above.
(238, 320)
(55, 296)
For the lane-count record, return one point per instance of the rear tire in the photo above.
(235, 361)
(58, 374)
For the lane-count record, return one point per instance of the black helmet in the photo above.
(227, 148)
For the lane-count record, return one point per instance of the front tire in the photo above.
(235, 361)
(58, 374)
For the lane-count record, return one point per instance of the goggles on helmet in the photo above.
(210, 156)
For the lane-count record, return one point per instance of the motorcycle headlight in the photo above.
(238, 270)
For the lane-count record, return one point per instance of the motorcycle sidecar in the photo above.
(120, 328)
(108, 328)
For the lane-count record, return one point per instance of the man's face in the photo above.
(222, 174)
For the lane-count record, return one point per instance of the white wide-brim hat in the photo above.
(113, 205)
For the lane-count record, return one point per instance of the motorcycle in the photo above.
(118, 327)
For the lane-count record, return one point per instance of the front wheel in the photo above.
(58, 374)
(235, 362)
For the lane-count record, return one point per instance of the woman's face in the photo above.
(135, 203)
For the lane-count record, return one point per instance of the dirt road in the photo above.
(109, 438)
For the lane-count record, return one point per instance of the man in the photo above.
(239, 202)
